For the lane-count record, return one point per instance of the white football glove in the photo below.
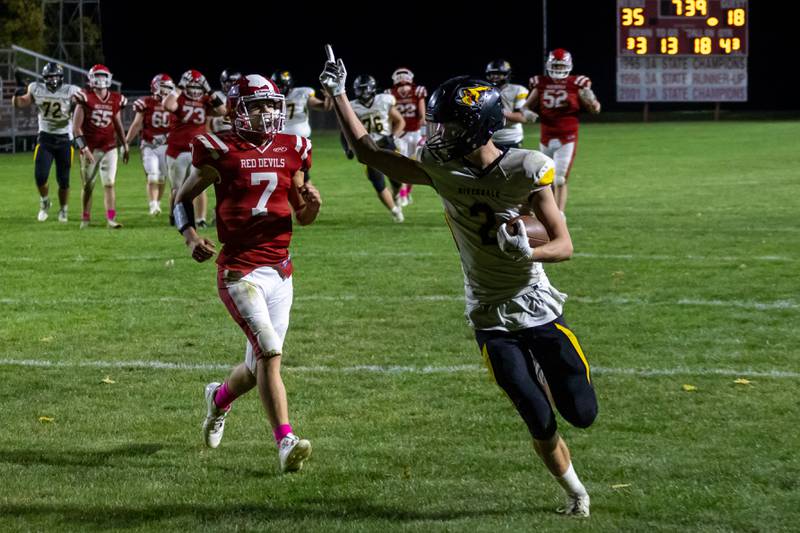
(515, 246)
(529, 115)
(333, 77)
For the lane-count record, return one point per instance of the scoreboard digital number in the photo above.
(682, 27)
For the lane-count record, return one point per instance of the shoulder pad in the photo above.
(421, 91)
(140, 106)
(302, 146)
(539, 168)
(210, 143)
(582, 81)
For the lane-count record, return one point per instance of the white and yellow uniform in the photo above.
(501, 293)
(55, 107)
(375, 117)
(513, 97)
(297, 111)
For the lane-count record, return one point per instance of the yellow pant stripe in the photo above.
(35, 151)
(487, 362)
(574, 340)
(71, 154)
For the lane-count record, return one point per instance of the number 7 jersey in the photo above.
(254, 190)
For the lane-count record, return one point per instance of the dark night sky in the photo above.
(139, 41)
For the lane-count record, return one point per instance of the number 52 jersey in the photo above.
(376, 116)
(55, 107)
(254, 188)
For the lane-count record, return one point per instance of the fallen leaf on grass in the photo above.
(689, 388)
(621, 486)
(107, 380)
(44, 419)
(742, 381)
(46, 339)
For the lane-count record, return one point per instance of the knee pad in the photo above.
(155, 178)
(377, 180)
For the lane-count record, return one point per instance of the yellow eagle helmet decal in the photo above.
(471, 96)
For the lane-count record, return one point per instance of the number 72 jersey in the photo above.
(254, 190)
(55, 107)
(376, 116)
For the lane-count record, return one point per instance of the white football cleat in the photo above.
(293, 452)
(214, 424)
(84, 223)
(397, 214)
(577, 505)
(401, 200)
(113, 224)
(44, 207)
(62, 216)
(155, 209)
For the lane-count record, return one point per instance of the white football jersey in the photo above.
(475, 204)
(513, 97)
(375, 117)
(55, 108)
(297, 111)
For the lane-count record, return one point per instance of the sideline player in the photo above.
(191, 102)
(257, 173)
(54, 101)
(410, 101)
(219, 124)
(154, 122)
(383, 123)
(558, 98)
(511, 305)
(513, 97)
(97, 125)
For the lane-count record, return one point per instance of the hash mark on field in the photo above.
(390, 369)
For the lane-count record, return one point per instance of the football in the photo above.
(537, 234)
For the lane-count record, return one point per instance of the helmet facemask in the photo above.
(100, 80)
(497, 77)
(194, 91)
(53, 82)
(559, 64)
(260, 116)
(165, 87)
(447, 140)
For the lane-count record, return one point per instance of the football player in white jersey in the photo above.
(511, 305)
(298, 101)
(383, 123)
(513, 98)
(219, 124)
(54, 99)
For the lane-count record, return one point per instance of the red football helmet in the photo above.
(161, 85)
(559, 64)
(402, 76)
(256, 108)
(99, 77)
(194, 84)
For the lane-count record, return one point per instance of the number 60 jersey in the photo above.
(254, 190)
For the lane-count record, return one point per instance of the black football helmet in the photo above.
(498, 72)
(227, 78)
(462, 115)
(53, 75)
(284, 80)
(365, 87)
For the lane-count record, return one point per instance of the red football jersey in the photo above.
(190, 121)
(558, 106)
(157, 120)
(98, 125)
(254, 217)
(408, 97)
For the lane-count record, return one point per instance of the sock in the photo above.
(570, 482)
(85, 215)
(224, 397)
(111, 214)
(45, 199)
(64, 208)
(281, 431)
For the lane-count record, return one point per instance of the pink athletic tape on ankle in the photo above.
(281, 431)
(111, 214)
(224, 397)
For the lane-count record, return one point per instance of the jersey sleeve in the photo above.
(540, 169)
(82, 98)
(139, 105)
(303, 148)
(520, 97)
(311, 93)
(421, 91)
(583, 82)
(390, 100)
(206, 149)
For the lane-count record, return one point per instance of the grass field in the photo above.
(685, 273)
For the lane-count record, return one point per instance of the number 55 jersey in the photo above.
(558, 105)
(254, 190)
(98, 120)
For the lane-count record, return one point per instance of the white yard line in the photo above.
(380, 369)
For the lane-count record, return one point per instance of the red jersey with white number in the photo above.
(407, 97)
(98, 118)
(156, 121)
(254, 217)
(190, 121)
(558, 105)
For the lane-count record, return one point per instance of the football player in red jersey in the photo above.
(558, 98)
(257, 174)
(154, 122)
(192, 103)
(410, 99)
(97, 128)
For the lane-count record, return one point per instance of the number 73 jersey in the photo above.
(254, 191)
(375, 117)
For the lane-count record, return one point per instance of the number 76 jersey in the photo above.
(375, 117)
(254, 190)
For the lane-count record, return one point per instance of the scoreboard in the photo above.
(682, 50)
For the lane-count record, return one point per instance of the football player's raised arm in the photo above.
(171, 101)
(397, 120)
(22, 97)
(199, 180)
(136, 127)
(560, 246)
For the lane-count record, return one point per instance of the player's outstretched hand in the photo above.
(87, 154)
(202, 249)
(515, 246)
(334, 75)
